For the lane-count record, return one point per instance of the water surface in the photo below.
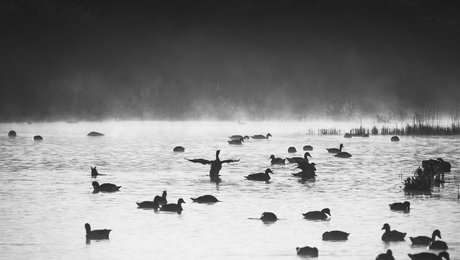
(46, 195)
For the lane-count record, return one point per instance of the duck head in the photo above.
(95, 184)
(326, 211)
(386, 227)
(306, 155)
(268, 170)
(180, 201)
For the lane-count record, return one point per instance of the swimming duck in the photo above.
(95, 134)
(392, 235)
(335, 235)
(343, 155)
(149, 204)
(308, 148)
(238, 137)
(205, 199)
(386, 256)
(261, 136)
(107, 187)
(438, 245)
(305, 175)
(179, 149)
(401, 206)
(394, 138)
(335, 150)
(292, 150)
(262, 176)
(318, 215)
(12, 134)
(277, 160)
(268, 216)
(236, 141)
(96, 234)
(216, 165)
(162, 200)
(299, 159)
(429, 256)
(172, 207)
(38, 138)
(94, 172)
(307, 251)
(425, 240)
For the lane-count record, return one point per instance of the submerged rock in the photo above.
(12, 133)
(38, 138)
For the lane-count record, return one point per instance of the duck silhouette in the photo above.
(205, 199)
(386, 256)
(179, 149)
(216, 165)
(292, 149)
(236, 141)
(268, 216)
(438, 245)
(161, 200)
(277, 160)
(173, 207)
(95, 134)
(149, 204)
(262, 176)
(261, 136)
(12, 134)
(106, 187)
(335, 235)
(96, 234)
(335, 150)
(392, 235)
(299, 159)
(308, 148)
(425, 240)
(307, 251)
(318, 215)
(429, 256)
(400, 206)
(343, 155)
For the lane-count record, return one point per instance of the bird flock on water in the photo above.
(308, 170)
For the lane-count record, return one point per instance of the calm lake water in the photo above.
(46, 192)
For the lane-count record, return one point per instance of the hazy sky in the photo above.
(98, 59)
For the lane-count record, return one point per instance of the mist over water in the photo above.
(258, 60)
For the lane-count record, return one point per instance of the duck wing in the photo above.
(202, 161)
(230, 161)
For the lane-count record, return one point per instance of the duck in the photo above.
(262, 176)
(261, 136)
(149, 204)
(392, 235)
(95, 134)
(307, 251)
(179, 149)
(318, 215)
(308, 148)
(12, 134)
(173, 207)
(236, 141)
(305, 175)
(94, 172)
(96, 234)
(335, 150)
(335, 235)
(238, 137)
(429, 256)
(438, 245)
(38, 138)
(386, 256)
(394, 138)
(162, 200)
(205, 199)
(268, 216)
(107, 187)
(343, 155)
(277, 160)
(425, 240)
(400, 206)
(216, 165)
(299, 159)
(292, 149)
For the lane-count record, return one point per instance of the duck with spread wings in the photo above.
(216, 165)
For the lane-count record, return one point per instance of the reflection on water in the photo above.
(47, 194)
